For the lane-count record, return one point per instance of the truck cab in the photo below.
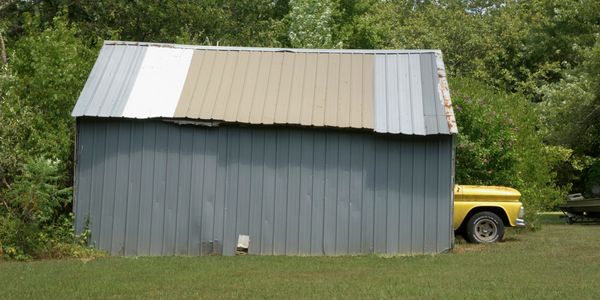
(482, 212)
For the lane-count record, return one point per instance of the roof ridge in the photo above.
(269, 49)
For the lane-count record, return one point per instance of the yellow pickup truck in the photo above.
(482, 212)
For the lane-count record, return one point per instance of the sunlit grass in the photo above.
(558, 261)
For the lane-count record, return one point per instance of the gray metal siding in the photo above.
(157, 188)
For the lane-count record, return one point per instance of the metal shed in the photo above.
(182, 149)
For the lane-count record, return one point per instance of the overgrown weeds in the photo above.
(33, 218)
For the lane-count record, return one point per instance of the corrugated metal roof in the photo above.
(389, 91)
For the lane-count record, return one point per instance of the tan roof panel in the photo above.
(278, 88)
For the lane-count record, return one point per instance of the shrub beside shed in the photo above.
(182, 149)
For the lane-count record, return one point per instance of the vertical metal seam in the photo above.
(263, 102)
(260, 57)
(186, 112)
(126, 83)
(128, 184)
(301, 134)
(237, 191)
(304, 72)
(326, 89)
(202, 187)
(153, 190)
(228, 98)
(287, 194)
(362, 199)
(203, 100)
(364, 93)
(289, 93)
(387, 191)
(412, 197)
(192, 156)
(214, 216)
(111, 80)
(225, 189)
(337, 98)
(225, 208)
(399, 93)
(153, 180)
(164, 212)
(213, 103)
(114, 199)
(400, 220)
(435, 99)
(337, 193)
(374, 193)
(312, 189)
(95, 89)
(312, 109)
(278, 87)
(262, 198)
(425, 195)
(250, 167)
(410, 98)
(179, 154)
(103, 183)
(350, 125)
(137, 244)
(324, 195)
(349, 194)
(243, 88)
(89, 221)
(274, 193)
(387, 96)
(287, 113)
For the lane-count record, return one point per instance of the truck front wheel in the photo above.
(485, 227)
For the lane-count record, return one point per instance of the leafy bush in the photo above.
(498, 144)
(38, 88)
(33, 222)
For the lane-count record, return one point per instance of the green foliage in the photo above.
(32, 213)
(311, 24)
(45, 75)
(498, 144)
(571, 118)
(216, 22)
(39, 86)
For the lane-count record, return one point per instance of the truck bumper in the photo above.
(521, 223)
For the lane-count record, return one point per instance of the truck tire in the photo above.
(485, 227)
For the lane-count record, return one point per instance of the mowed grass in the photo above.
(559, 261)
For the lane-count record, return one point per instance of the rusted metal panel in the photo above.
(445, 93)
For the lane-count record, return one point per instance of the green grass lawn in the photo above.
(559, 261)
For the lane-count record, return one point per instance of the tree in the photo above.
(311, 24)
(45, 74)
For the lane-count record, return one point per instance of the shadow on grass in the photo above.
(510, 239)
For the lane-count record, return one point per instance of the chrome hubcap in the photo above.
(486, 230)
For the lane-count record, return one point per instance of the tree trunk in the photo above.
(2, 50)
